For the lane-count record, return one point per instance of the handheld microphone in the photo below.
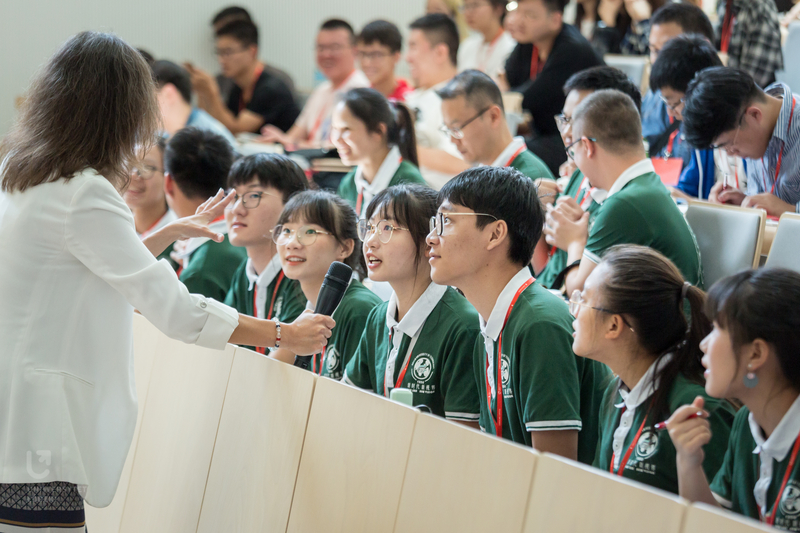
(330, 294)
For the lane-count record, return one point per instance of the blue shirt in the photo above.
(655, 121)
(202, 120)
(785, 137)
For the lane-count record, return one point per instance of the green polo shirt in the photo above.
(652, 461)
(529, 164)
(439, 371)
(545, 385)
(644, 213)
(166, 254)
(736, 479)
(211, 267)
(351, 319)
(558, 261)
(405, 173)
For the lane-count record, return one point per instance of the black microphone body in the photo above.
(330, 294)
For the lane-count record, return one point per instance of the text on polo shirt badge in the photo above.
(505, 376)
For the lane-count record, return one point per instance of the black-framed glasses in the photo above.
(571, 152)
(576, 302)
(383, 228)
(146, 172)
(250, 200)
(439, 220)
(562, 121)
(458, 133)
(227, 52)
(306, 235)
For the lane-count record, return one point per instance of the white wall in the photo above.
(179, 30)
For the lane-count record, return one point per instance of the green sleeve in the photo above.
(548, 376)
(722, 483)
(198, 283)
(347, 189)
(294, 303)
(230, 298)
(360, 369)
(461, 401)
(721, 420)
(617, 222)
(407, 173)
(353, 324)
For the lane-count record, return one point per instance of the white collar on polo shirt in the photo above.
(631, 173)
(382, 178)
(503, 159)
(633, 398)
(415, 318)
(196, 242)
(266, 276)
(776, 447)
(494, 325)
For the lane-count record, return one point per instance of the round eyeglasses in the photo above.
(146, 172)
(439, 220)
(383, 228)
(306, 235)
(250, 200)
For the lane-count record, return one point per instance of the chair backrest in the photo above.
(785, 250)
(637, 68)
(729, 237)
(353, 462)
(702, 518)
(257, 451)
(478, 483)
(568, 496)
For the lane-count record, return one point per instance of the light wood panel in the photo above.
(145, 340)
(353, 462)
(702, 518)
(257, 453)
(176, 439)
(458, 479)
(569, 497)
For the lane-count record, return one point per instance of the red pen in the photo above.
(663, 425)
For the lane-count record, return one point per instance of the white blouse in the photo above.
(72, 270)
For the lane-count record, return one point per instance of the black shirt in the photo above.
(544, 96)
(272, 100)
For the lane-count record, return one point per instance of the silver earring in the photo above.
(750, 379)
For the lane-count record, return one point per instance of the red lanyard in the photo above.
(262, 350)
(535, 67)
(516, 155)
(403, 370)
(627, 455)
(727, 28)
(672, 136)
(498, 422)
(780, 155)
(770, 518)
(321, 363)
(587, 195)
(256, 75)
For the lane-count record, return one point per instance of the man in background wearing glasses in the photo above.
(607, 147)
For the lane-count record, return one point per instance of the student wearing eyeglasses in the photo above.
(315, 229)
(379, 46)
(263, 183)
(423, 337)
(378, 138)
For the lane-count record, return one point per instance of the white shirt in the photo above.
(489, 57)
(631, 399)
(262, 281)
(72, 269)
(428, 108)
(381, 180)
(316, 115)
(168, 217)
(776, 447)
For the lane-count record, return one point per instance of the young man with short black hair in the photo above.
(660, 129)
(579, 196)
(533, 389)
(175, 102)
(432, 50)
(548, 53)
(680, 60)
(336, 59)
(196, 164)
(257, 98)
(379, 46)
(489, 46)
(607, 147)
(263, 183)
(725, 108)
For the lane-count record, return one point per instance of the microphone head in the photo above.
(340, 271)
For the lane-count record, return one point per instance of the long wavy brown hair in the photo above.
(93, 105)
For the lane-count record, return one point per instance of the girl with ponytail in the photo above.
(379, 138)
(639, 316)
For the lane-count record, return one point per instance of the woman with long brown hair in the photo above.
(72, 269)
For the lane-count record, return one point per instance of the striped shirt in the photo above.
(786, 138)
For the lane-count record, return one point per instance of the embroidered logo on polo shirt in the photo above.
(422, 368)
(647, 445)
(278, 306)
(790, 500)
(331, 360)
(505, 376)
